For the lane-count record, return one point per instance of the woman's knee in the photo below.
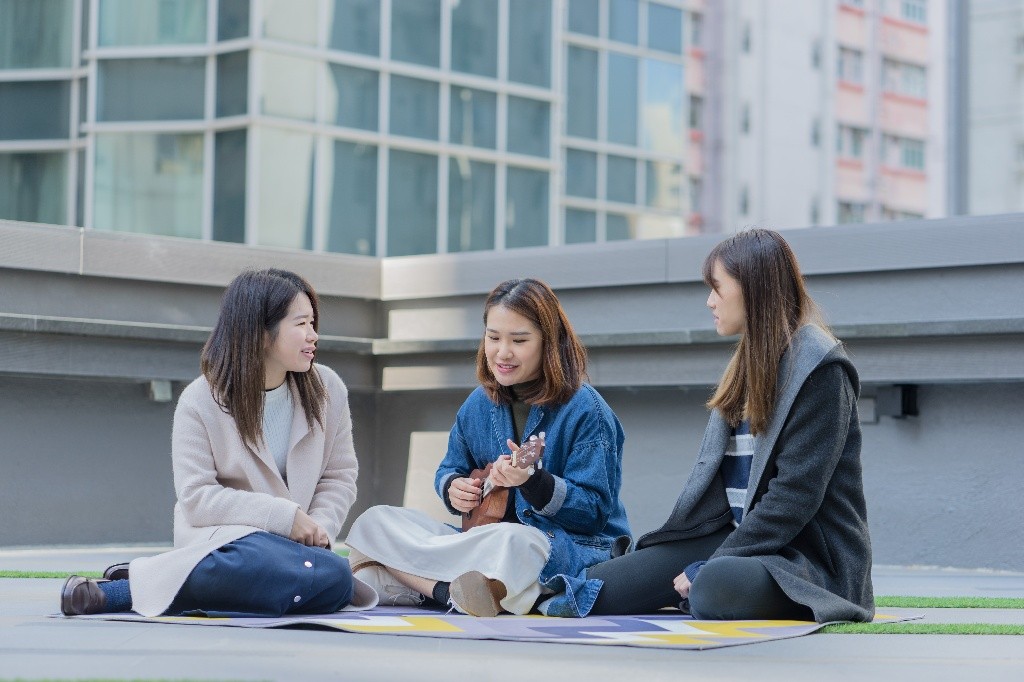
(731, 588)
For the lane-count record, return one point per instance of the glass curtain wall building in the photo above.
(375, 127)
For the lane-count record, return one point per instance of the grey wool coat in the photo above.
(225, 493)
(804, 516)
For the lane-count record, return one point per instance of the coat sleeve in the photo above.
(808, 451)
(201, 497)
(585, 493)
(336, 490)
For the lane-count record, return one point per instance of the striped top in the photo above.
(736, 468)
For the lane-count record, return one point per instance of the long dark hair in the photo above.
(776, 303)
(233, 358)
(564, 362)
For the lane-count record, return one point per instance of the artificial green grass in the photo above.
(950, 602)
(922, 629)
(48, 574)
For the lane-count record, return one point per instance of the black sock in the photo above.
(440, 593)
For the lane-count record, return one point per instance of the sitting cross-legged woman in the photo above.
(264, 473)
(771, 523)
(562, 514)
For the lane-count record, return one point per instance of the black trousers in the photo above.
(726, 588)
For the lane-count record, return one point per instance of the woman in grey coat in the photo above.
(771, 523)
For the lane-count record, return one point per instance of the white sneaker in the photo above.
(389, 590)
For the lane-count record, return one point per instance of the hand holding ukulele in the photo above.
(508, 471)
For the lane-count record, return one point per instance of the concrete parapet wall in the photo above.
(88, 319)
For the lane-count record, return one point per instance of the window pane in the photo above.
(152, 22)
(662, 113)
(149, 183)
(353, 226)
(621, 179)
(664, 185)
(35, 110)
(618, 227)
(473, 117)
(85, 35)
(622, 21)
(169, 88)
(529, 42)
(36, 34)
(356, 26)
(526, 208)
(232, 19)
(581, 173)
(580, 226)
(581, 105)
(470, 205)
(528, 126)
(414, 107)
(34, 187)
(665, 28)
(412, 203)
(352, 97)
(475, 37)
(622, 98)
(290, 21)
(416, 31)
(286, 189)
(229, 186)
(289, 86)
(583, 16)
(233, 83)
(79, 190)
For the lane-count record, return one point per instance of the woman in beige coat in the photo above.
(264, 473)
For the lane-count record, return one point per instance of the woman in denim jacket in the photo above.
(562, 516)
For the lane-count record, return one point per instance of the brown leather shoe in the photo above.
(475, 594)
(116, 572)
(81, 596)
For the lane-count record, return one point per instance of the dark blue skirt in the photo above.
(265, 575)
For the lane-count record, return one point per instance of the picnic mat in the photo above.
(666, 631)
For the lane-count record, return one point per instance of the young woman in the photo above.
(771, 523)
(562, 516)
(264, 473)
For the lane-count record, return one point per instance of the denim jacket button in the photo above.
(528, 513)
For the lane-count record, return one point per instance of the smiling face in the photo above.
(291, 347)
(513, 346)
(726, 302)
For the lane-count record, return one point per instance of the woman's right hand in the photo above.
(307, 531)
(464, 493)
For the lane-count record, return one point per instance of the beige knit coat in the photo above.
(225, 493)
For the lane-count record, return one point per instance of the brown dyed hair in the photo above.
(776, 304)
(564, 363)
(233, 359)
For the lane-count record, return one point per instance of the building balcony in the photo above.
(852, 104)
(904, 40)
(903, 115)
(851, 27)
(904, 189)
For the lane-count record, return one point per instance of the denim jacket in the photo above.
(585, 521)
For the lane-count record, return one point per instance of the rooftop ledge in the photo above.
(145, 331)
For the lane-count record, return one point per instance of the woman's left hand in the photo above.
(682, 585)
(504, 474)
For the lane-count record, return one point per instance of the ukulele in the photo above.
(494, 498)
